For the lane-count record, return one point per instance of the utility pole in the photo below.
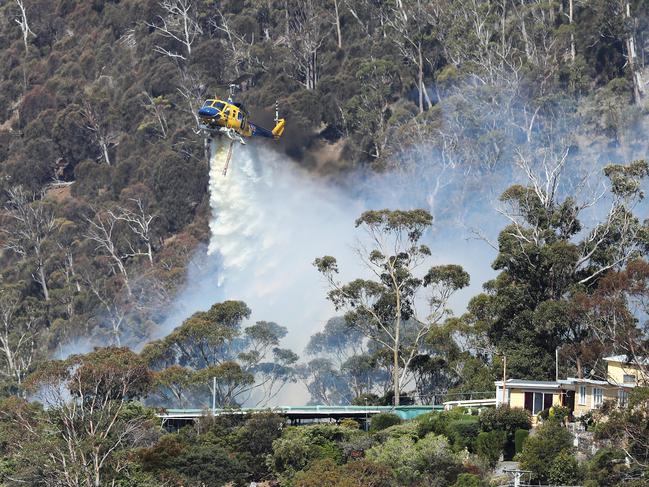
(504, 379)
(367, 424)
(556, 364)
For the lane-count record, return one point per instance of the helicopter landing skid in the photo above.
(230, 133)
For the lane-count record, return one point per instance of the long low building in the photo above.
(176, 418)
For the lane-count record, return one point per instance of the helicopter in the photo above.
(230, 118)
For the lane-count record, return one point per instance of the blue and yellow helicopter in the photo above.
(230, 118)
(220, 117)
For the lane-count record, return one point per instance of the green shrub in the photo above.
(437, 422)
(384, 420)
(350, 423)
(556, 413)
(357, 446)
(325, 473)
(508, 420)
(319, 433)
(407, 428)
(468, 480)
(540, 450)
(607, 468)
(490, 445)
(462, 433)
(421, 462)
(433, 422)
(559, 413)
(299, 446)
(564, 469)
(328, 450)
(505, 419)
(519, 439)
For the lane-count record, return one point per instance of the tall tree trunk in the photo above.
(104, 150)
(572, 34)
(395, 357)
(638, 85)
(338, 31)
(420, 78)
(503, 37)
(526, 41)
(41, 276)
(551, 9)
(580, 372)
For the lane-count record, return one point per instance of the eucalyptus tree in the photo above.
(89, 420)
(28, 229)
(212, 354)
(550, 261)
(400, 304)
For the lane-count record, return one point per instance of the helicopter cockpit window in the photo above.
(239, 116)
(208, 103)
(219, 105)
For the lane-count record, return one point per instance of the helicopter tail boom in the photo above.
(278, 130)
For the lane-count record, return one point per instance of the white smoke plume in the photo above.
(271, 219)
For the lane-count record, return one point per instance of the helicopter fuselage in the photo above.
(219, 116)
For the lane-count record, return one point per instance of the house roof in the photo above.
(531, 384)
(625, 359)
(472, 402)
(575, 380)
(570, 383)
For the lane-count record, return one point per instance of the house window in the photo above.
(622, 398)
(535, 402)
(628, 379)
(598, 396)
(582, 395)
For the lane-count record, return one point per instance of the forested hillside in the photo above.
(104, 203)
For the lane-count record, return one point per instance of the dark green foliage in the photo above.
(489, 446)
(178, 185)
(428, 460)
(325, 473)
(468, 480)
(218, 450)
(383, 420)
(505, 419)
(541, 449)
(607, 468)
(559, 413)
(299, 447)
(212, 465)
(508, 420)
(565, 470)
(463, 432)
(520, 436)
(255, 440)
(368, 399)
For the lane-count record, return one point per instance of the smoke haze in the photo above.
(271, 219)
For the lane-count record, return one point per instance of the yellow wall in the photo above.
(617, 370)
(610, 394)
(517, 398)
